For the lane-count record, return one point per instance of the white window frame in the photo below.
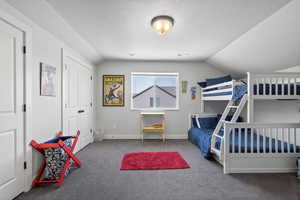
(176, 74)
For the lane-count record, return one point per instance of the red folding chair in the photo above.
(57, 144)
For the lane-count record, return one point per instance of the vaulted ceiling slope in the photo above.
(271, 45)
(233, 35)
(43, 14)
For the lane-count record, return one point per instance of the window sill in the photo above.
(156, 110)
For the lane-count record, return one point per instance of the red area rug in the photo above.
(153, 161)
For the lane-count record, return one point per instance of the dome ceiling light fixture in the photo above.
(162, 24)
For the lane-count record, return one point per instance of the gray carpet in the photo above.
(100, 178)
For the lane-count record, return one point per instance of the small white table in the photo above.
(153, 129)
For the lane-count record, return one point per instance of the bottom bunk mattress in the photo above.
(202, 139)
(245, 142)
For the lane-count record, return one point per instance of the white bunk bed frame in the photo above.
(259, 162)
(225, 87)
(265, 161)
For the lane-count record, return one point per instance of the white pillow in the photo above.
(197, 121)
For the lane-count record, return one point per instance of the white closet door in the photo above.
(77, 101)
(11, 114)
(85, 99)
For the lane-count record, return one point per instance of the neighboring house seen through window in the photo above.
(157, 101)
(154, 91)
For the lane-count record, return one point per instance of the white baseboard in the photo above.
(136, 137)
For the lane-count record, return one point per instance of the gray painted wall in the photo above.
(122, 122)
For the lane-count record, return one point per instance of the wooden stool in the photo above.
(153, 128)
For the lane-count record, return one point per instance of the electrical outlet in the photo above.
(114, 126)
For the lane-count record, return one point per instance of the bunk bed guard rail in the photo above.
(261, 147)
(280, 85)
(274, 85)
(221, 91)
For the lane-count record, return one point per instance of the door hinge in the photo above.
(91, 78)
(91, 131)
(91, 104)
(24, 108)
(24, 49)
(25, 165)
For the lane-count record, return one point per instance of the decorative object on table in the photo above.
(153, 161)
(47, 80)
(184, 85)
(193, 92)
(113, 90)
(156, 124)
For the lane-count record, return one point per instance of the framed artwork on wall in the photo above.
(193, 92)
(47, 80)
(113, 90)
(184, 86)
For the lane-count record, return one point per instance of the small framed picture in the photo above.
(47, 80)
(184, 85)
(113, 90)
(193, 92)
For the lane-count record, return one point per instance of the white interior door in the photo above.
(77, 114)
(11, 114)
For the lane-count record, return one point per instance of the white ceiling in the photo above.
(214, 30)
(271, 45)
(117, 28)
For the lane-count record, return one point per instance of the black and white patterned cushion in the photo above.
(55, 161)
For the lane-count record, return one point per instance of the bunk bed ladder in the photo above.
(234, 107)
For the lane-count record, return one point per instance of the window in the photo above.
(154, 91)
(151, 102)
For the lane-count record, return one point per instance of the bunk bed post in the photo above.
(189, 121)
(202, 106)
(226, 148)
(233, 84)
(250, 105)
(201, 101)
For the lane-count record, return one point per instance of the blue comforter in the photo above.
(202, 139)
(239, 91)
